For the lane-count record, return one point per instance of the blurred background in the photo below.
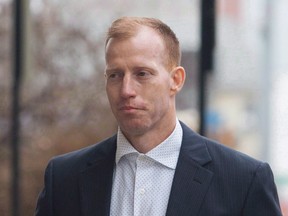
(62, 100)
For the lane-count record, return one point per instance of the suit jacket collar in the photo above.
(191, 179)
(190, 183)
(96, 180)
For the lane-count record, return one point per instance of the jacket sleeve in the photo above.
(45, 200)
(262, 198)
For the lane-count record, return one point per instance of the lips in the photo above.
(128, 108)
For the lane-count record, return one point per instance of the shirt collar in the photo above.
(166, 153)
(124, 147)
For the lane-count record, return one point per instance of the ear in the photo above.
(178, 76)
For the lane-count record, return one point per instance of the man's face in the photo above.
(138, 83)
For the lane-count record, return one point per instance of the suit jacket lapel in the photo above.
(190, 184)
(96, 181)
(191, 179)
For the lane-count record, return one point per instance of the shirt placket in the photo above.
(141, 202)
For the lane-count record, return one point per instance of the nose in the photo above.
(128, 87)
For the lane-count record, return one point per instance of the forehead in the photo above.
(145, 43)
(144, 38)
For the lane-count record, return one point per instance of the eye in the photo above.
(114, 75)
(143, 74)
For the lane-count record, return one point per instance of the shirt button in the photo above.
(142, 191)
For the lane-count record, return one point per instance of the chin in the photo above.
(137, 127)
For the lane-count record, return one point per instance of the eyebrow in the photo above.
(112, 70)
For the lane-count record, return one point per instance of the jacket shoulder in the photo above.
(77, 160)
(219, 155)
(227, 156)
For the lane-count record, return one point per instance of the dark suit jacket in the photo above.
(210, 180)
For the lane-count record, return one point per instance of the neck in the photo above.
(145, 142)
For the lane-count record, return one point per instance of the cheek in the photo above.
(111, 99)
(160, 97)
(162, 89)
(110, 93)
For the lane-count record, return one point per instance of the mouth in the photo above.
(128, 108)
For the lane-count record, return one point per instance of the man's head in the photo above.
(127, 27)
(141, 80)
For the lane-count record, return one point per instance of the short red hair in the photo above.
(126, 27)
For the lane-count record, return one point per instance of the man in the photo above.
(155, 165)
